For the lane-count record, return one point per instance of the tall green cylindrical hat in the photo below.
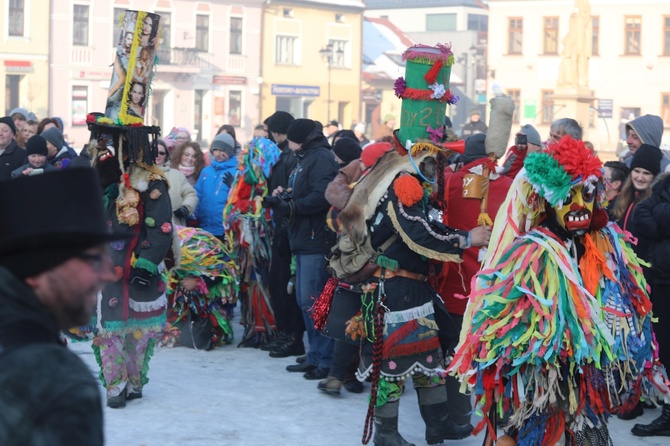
(424, 92)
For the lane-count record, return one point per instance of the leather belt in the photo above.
(388, 274)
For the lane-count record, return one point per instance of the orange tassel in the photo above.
(355, 327)
(408, 189)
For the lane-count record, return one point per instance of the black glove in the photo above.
(182, 212)
(270, 201)
(140, 277)
(228, 178)
(281, 211)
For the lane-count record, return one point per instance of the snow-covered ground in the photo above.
(241, 396)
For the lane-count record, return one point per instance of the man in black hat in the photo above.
(53, 263)
(11, 155)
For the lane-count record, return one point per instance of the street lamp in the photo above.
(327, 54)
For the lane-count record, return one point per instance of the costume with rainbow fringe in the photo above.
(249, 229)
(206, 259)
(558, 323)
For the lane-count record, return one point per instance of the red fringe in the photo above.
(553, 429)
(417, 94)
(431, 75)
(321, 306)
(412, 348)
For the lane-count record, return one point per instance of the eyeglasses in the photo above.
(97, 261)
(162, 153)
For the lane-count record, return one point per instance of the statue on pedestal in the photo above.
(574, 68)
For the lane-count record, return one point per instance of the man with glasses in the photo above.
(53, 264)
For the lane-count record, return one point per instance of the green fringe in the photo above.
(229, 336)
(368, 309)
(144, 373)
(119, 327)
(146, 264)
(389, 264)
(98, 359)
(383, 391)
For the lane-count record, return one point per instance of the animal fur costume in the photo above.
(397, 322)
(131, 311)
(559, 319)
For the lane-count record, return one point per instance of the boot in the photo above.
(659, 427)
(386, 426)
(330, 385)
(435, 413)
(292, 347)
(118, 401)
(276, 342)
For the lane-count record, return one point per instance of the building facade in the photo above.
(311, 60)
(24, 55)
(206, 74)
(628, 66)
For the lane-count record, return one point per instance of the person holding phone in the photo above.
(527, 140)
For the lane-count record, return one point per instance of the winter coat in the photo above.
(62, 158)
(462, 213)
(514, 161)
(181, 193)
(46, 168)
(212, 188)
(128, 304)
(308, 232)
(472, 128)
(652, 218)
(48, 396)
(11, 159)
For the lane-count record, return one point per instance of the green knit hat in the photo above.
(425, 93)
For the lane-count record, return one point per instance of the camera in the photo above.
(521, 140)
(285, 195)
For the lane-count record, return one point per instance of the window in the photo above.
(12, 90)
(16, 17)
(666, 36)
(440, 22)
(235, 35)
(202, 32)
(516, 97)
(665, 108)
(285, 52)
(79, 105)
(478, 22)
(547, 106)
(515, 34)
(117, 31)
(595, 42)
(235, 108)
(339, 50)
(80, 25)
(550, 45)
(633, 30)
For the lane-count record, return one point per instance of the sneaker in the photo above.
(302, 368)
(317, 373)
(330, 385)
(294, 348)
(118, 401)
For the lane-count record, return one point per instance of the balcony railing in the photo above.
(189, 57)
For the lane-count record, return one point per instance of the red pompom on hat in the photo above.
(372, 152)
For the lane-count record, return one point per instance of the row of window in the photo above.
(546, 110)
(81, 27)
(632, 35)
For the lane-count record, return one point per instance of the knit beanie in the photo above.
(474, 148)
(647, 157)
(280, 121)
(10, 123)
(532, 134)
(347, 149)
(299, 130)
(20, 111)
(649, 129)
(374, 151)
(54, 135)
(225, 142)
(37, 145)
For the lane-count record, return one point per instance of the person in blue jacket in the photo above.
(214, 183)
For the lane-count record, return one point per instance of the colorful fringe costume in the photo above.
(206, 259)
(131, 311)
(558, 325)
(248, 227)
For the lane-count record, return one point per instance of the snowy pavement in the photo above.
(241, 396)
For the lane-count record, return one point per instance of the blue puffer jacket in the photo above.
(212, 188)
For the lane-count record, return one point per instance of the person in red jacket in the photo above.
(526, 141)
(453, 282)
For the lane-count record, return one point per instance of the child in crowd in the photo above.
(36, 149)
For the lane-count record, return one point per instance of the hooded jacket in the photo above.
(649, 129)
(213, 187)
(652, 218)
(316, 167)
(48, 396)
